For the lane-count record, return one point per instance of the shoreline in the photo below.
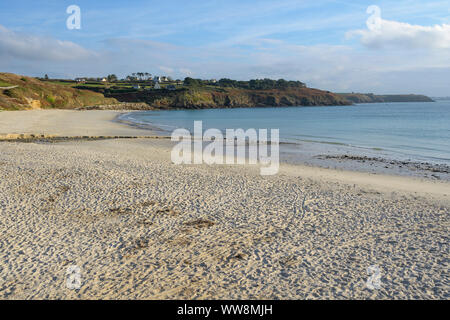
(66, 125)
(140, 227)
(102, 122)
(337, 156)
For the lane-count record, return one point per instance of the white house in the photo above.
(104, 80)
(157, 79)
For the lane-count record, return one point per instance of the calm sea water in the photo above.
(413, 131)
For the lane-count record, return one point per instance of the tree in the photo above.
(132, 77)
(192, 82)
(46, 77)
(112, 78)
(141, 75)
(282, 84)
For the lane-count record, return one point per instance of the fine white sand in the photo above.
(66, 123)
(139, 226)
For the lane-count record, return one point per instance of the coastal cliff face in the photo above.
(200, 98)
(24, 93)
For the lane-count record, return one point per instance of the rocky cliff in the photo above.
(200, 98)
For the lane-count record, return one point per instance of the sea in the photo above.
(410, 131)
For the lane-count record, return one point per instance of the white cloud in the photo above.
(30, 47)
(404, 35)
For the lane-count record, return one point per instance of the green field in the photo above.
(119, 86)
(5, 84)
(63, 83)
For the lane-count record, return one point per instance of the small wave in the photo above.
(143, 123)
(327, 142)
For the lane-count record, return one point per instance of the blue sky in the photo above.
(325, 43)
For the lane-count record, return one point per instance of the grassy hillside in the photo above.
(30, 93)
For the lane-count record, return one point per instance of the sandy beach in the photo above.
(140, 227)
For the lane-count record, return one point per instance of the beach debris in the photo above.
(51, 138)
(387, 163)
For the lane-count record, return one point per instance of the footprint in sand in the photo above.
(168, 211)
(200, 223)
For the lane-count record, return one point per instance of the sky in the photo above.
(382, 47)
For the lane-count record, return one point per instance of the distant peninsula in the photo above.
(373, 98)
(441, 98)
